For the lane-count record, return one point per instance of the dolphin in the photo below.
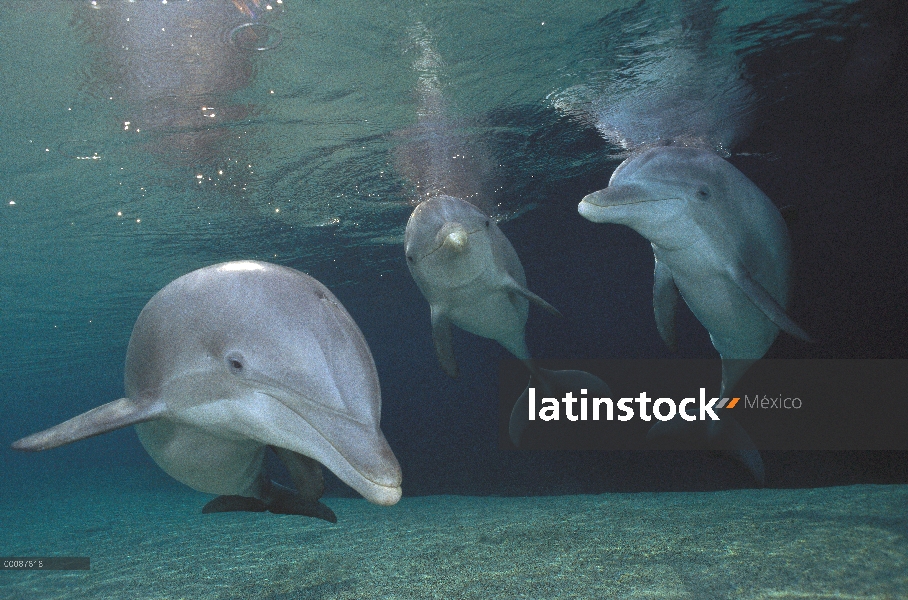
(717, 239)
(471, 276)
(721, 244)
(234, 358)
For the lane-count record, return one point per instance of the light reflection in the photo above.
(164, 61)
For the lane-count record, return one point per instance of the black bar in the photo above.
(783, 404)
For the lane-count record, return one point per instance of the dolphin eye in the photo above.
(410, 258)
(703, 193)
(235, 363)
(487, 223)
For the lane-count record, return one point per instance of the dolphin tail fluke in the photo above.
(726, 437)
(108, 417)
(551, 384)
(444, 342)
(521, 290)
(729, 437)
(234, 504)
(766, 303)
(665, 301)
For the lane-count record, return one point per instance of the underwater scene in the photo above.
(268, 266)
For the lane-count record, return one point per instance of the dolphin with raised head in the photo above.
(234, 358)
(721, 244)
(717, 239)
(470, 274)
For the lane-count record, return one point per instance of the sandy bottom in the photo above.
(849, 542)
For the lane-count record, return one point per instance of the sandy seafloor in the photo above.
(846, 542)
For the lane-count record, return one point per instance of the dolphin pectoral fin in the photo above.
(107, 417)
(278, 500)
(513, 286)
(443, 338)
(665, 300)
(732, 371)
(308, 479)
(765, 302)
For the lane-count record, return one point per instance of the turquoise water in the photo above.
(142, 140)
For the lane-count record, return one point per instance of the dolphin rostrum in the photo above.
(236, 357)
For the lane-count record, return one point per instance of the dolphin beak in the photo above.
(599, 207)
(453, 236)
(456, 240)
(356, 452)
(360, 456)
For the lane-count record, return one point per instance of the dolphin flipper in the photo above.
(766, 303)
(665, 300)
(107, 417)
(443, 338)
(513, 286)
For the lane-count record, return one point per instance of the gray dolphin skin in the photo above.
(237, 357)
(470, 274)
(717, 239)
(721, 243)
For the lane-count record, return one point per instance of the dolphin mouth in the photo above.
(377, 478)
(612, 197)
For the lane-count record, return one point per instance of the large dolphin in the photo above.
(717, 239)
(470, 274)
(236, 357)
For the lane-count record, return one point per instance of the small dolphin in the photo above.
(470, 274)
(716, 238)
(236, 357)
